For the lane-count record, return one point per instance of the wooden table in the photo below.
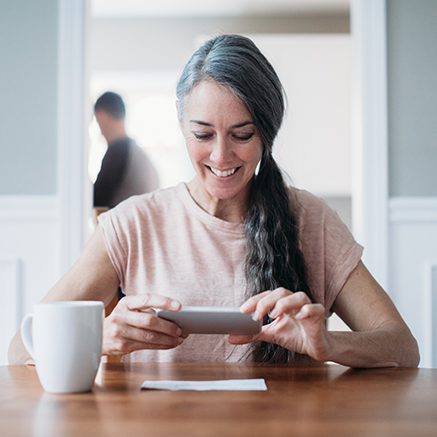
(315, 400)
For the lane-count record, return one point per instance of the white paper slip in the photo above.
(230, 384)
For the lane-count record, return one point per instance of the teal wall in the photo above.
(412, 97)
(28, 96)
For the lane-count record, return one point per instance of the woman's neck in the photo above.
(232, 210)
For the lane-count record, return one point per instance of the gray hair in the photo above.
(236, 62)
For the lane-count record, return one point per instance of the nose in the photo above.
(222, 152)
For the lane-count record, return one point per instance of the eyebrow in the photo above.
(235, 126)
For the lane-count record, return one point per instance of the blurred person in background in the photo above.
(126, 170)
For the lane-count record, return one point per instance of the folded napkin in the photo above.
(230, 384)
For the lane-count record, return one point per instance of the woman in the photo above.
(234, 231)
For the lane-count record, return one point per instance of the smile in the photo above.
(224, 174)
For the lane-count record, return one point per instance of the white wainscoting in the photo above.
(10, 313)
(29, 258)
(413, 269)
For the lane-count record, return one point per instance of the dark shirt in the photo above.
(125, 171)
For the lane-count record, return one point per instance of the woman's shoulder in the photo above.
(303, 201)
(153, 201)
(144, 208)
(314, 214)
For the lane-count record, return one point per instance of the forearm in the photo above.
(390, 345)
(17, 353)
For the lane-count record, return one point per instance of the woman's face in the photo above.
(222, 141)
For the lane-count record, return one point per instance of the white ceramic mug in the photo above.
(66, 343)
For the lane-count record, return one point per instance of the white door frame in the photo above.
(370, 134)
(72, 140)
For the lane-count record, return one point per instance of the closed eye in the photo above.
(201, 136)
(240, 137)
(245, 137)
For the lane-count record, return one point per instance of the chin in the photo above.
(223, 193)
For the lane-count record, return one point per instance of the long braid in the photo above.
(273, 257)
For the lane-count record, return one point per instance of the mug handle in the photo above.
(25, 334)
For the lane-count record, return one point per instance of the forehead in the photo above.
(210, 99)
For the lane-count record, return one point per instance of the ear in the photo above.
(177, 111)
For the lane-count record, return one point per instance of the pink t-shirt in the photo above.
(163, 242)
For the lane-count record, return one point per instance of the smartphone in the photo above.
(212, 320)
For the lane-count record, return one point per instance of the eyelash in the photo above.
(200, 136)
(207, 136)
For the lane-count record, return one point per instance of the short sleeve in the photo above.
(329, 248)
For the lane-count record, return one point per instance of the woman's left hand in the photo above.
(298, 325)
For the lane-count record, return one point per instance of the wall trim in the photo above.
(433, 290)
(413, 209)
(429, 356)
(370, 134)
(11, 265)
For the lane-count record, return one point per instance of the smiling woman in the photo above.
(234, 236)
(231, 82)
(225, 148)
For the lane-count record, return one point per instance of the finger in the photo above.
(311, 311)
(269, 301)
(151, 300)
(290, 304)
(149, 338)
(149, 322)
(250, 305)
(149, 311)
(124, 338)
(125, 347)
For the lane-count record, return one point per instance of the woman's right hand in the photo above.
(134, 325)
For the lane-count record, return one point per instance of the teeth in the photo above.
(223, 174)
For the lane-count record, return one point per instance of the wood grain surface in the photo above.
(304, 400)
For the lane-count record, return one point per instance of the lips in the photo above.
(223, 173)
